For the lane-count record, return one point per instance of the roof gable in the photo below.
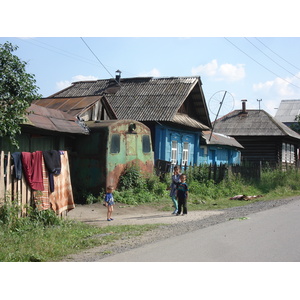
(146, 98)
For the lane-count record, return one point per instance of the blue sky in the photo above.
(236, 55)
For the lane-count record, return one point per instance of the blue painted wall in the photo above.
(163, 144)
(197, 154)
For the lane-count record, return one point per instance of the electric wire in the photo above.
(271, 58)
(278, 54)
(96, 57)
(260, 63)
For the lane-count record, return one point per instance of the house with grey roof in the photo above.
(287, 112)
(174, 109)
(264, 138)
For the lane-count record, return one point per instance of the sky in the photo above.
(252, 68)
(245, 52)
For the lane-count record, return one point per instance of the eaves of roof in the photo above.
(220, 139)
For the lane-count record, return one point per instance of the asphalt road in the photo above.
(269, 236)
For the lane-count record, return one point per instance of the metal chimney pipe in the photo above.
(244, 105)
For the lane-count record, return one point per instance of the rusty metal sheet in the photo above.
(72, 106)
(53, 120)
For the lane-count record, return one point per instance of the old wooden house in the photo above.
(173, 108)
(287, 112)
(219, 149)
(46, 129)
(264, 138)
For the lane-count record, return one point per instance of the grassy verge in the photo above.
(51, 243)
(43, 237)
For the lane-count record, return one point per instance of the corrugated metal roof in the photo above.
(288, 110)
(253, 123)
(53, 120)
(220, 139)
(144, 99)
(71, 105)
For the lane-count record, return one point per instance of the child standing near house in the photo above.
(182, 195)
(173, 187)
(109, 202)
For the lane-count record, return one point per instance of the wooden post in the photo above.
(8, 192)
(2, 185)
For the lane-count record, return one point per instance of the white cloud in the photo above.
(65, 83)
(62, 84)
(153, 73)
(224, 72)
(283, 88)
(272, 92)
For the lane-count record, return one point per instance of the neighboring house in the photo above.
(220, 149)
(173, 108)
(46, 129)
(264, 138)
(287, 112)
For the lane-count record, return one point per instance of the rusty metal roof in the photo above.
(72, 105)
(142, 98)
(53, 120)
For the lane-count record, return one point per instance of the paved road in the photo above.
(268, 236)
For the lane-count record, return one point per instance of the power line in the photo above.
(97, 57)
(261, 64)
(277, 54)
(271, 58)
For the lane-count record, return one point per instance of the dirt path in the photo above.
(95, 214)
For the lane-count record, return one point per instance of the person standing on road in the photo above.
(173, 188)
(109, 202)
(182, 195)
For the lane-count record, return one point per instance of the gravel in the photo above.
(175, 229)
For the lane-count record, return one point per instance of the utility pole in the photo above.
(259, 103)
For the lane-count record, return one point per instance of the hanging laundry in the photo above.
(41, 198)
(32, 168)
(62, 198)
(53, 165)
(17, 165)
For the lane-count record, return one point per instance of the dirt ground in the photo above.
(95, 214)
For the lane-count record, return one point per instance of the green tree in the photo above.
(17, 91)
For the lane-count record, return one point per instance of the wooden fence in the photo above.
(12, 189)
(20, 193)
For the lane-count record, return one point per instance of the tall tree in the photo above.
(17, 91)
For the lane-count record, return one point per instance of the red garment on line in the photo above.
(32, 168)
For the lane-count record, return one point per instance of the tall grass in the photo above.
(205, 193)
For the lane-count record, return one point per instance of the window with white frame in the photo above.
(292, 154)
(174, 153)
(288, 153)
(283, 154)
(185, 153)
